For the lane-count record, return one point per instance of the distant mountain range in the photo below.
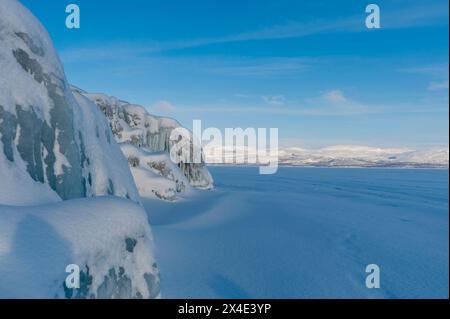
(345, 156)
(364, 156)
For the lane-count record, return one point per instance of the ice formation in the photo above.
(134, 127)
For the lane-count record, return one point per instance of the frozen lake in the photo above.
(306, 233)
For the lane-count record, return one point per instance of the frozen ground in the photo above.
(306, 233)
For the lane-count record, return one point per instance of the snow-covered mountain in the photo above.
(57, 153)
(365, 156)
(337, 156)
(145, 140)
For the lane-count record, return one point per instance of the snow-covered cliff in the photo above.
(57, 152)
(59, 138)
(134, 127)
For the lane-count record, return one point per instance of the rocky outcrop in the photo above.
(134, 126)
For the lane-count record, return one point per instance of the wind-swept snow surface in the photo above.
(307, 233)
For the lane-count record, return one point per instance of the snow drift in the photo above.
(108, 238)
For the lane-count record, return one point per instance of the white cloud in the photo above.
(335, 96)
(437, 86)
(274, 99)
(438, 75)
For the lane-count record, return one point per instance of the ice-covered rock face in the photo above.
(57, 137)
(155, 174)
(131, 124)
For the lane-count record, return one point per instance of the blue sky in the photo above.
(310, 68)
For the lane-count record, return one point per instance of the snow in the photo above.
(16, 19)
(57, 156)
(60, 160)
(132, 124)
(107, 165)
(306, 233)
(302, 233)
(155, 174)
(433, 156)
(18, 188)
(364, 156)
(38, 242)
(151, 185)
(139, 119)
(57, 136)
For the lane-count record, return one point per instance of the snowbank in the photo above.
(108, 238)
